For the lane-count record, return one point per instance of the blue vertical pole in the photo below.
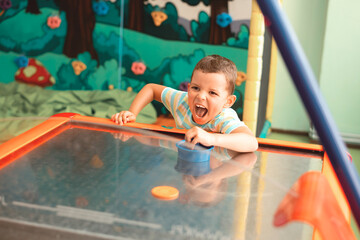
(121, 41)
(311, 96)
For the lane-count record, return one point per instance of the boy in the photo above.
(205, 107)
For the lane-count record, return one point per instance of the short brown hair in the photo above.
(218, 64)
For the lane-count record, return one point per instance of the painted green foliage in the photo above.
(115, 56)
(107, 47)
(169, 29)
(196, 2)
(105, 76)
(51, 41)
(67, 80)
(15, 6)
(242, 40)
(200, 29)
(7, 45)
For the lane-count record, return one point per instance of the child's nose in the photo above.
(201, 95)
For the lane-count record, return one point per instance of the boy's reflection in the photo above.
(210, 188)
(205, 183)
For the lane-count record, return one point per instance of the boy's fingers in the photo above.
(188, 136)
(119, 118)
(132, 118)
(191, 137)
(115, 117)
(123, 118)
(190, 142)
(195, 140)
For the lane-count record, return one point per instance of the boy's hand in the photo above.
(123, 117)
(198, 135)
(122, 136)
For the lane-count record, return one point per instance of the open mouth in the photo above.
(200, 111)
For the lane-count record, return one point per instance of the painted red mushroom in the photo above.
(35, 73)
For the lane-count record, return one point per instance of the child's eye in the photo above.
(213, 93)
(195, 88)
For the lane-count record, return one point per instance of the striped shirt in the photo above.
(177, 103)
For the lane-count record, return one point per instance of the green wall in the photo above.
(340, 69)
(308, 19)
(329, 34)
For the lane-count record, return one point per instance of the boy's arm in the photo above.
(240, 139)
(146, 95)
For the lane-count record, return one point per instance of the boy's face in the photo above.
(208, 95)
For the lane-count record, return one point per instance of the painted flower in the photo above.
(138, 68)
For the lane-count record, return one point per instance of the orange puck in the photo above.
(165, 192)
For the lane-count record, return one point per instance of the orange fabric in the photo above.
(311, 200)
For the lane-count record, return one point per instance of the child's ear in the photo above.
(230, 101)
(188, 86)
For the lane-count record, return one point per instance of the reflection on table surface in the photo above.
(97, 184)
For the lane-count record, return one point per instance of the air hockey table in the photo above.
(77, 177)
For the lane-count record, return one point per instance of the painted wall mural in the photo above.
(119, 44)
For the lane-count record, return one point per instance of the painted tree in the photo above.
(122, 7)
(80, 19)
(136, 15)
(217, 35)
(32, 7)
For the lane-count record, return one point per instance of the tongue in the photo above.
(200, 112)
